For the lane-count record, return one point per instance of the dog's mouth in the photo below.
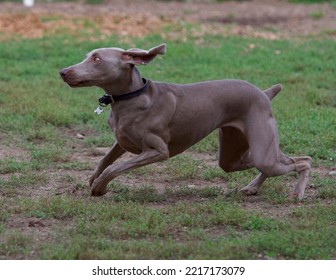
(76, 82)
(70, 77)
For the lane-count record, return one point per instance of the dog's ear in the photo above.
(139, 56)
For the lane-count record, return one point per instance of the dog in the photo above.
(157, 120)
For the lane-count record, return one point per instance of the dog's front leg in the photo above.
(156, 151)
(115, 152)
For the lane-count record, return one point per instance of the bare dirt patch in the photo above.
(37, 25)
(258, 18)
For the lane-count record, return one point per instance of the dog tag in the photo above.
(99, 110)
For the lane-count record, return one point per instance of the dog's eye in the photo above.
(96, 59)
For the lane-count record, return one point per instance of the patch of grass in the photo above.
(11, 166)
(57, 207)
(257, 223)
(208, 144)
(28, 179)
(316, 14)
(46, 154)
(276, 190)
(303, 238)
(213, 173)
(76, 165)
(72, 182)
(42, 132)
(105, 139)
(213, 229)
(3, 214)
(141, 194)
(210, 191)
(188, 192)
(18, 184)
(184, 167)
(325, 186)
(14, 243)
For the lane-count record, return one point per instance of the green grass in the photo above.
(213, 229)
(40, 116)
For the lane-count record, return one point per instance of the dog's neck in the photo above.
(130, 82)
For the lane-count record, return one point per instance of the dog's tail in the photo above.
(273, 91)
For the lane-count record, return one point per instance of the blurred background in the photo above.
(100, 18)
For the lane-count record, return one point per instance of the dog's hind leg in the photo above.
(302, 165)
(298, 164)
(253, 187)
(234, 155)
(233, 149)
(267, 157)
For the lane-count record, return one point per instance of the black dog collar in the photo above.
(107, 99)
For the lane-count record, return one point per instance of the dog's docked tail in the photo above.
(273, 91)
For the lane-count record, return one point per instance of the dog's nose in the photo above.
(63, 72)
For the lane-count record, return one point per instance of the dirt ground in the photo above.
(257, 18)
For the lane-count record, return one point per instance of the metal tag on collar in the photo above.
(103, 102)
(99, 110)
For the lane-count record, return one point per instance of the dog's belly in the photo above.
(180, 141)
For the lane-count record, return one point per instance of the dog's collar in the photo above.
(107, 99)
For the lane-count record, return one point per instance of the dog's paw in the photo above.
(98, 188)
(98, 192)
(248, 190)
(295, 196)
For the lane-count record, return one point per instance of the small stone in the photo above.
(80, 136)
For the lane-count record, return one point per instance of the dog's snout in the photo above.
(71, 77)
(63, 72)
(66, 72)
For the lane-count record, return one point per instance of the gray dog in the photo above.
(157, 121)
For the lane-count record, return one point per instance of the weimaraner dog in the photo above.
(157, 120)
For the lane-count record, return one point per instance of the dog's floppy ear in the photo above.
(139, 56)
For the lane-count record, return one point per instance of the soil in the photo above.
(136, 18)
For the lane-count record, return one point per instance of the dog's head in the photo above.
(107, 66)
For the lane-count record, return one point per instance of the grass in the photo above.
(212, 229)
(184, 208)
